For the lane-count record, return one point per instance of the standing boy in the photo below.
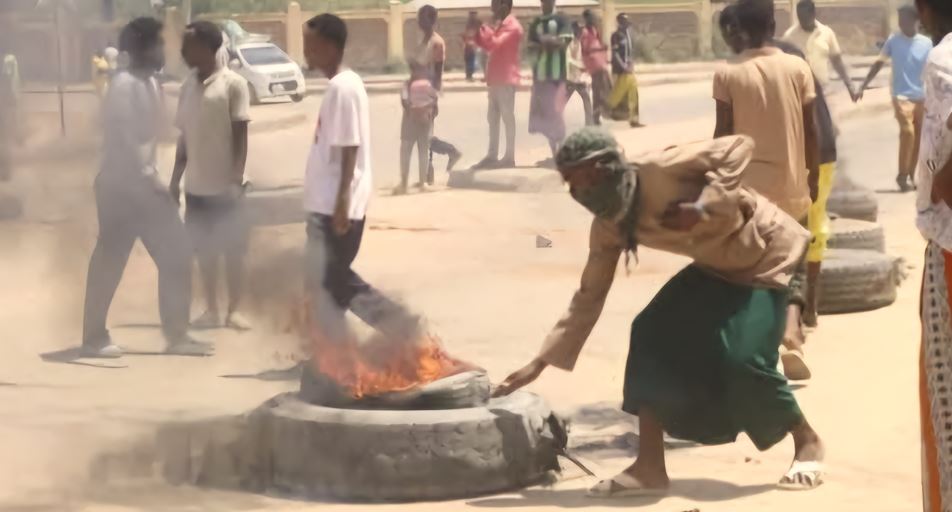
(469, 44)
(769, 96)
(502, 42)
(595, 57)
(820, 45)
(577, 79)
(908, 51)
(549, 36)
(213, 148)
(624, 98)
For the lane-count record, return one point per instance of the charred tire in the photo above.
(856, 234)
(364, 455)
(852, 201)
(852, 280)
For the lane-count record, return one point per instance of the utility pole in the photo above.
(187, 10)
(58, 7)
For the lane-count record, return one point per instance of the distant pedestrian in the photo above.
(770, 97)
(934, 220)
(99, 70)
(212, 150)
(549, 37)
(908, 51)
(470, 48)
(431, 54)
(111, 54)
(134, 204)
(337, 190)
(595, 57)
(820, 44)
(577, 79)
(624, 97)
(419, 99)
(501, 41)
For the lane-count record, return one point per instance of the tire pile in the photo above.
(857, 274)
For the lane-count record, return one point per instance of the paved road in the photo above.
(278, 158)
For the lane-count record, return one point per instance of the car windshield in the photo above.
(264, 55)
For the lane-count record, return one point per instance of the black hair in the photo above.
(910, 10)
(330, 27)
(428, 11)
(207, 33)
(139, 35)
(621, 16)
(728, 16)
(806, 4)
(756, 19)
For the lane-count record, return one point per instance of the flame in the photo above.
(382, 366)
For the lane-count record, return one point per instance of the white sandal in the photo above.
(803, 476)
(622, 485)
(794, 365)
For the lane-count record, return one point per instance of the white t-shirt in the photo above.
(206, 111)
(133, 118)
(819, 47)
(344, 121)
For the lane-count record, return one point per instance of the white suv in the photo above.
(269, 71)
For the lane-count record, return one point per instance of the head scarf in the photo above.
(615, 197)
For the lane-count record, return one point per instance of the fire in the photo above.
(377, 367)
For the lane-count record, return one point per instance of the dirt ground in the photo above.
(468, 259)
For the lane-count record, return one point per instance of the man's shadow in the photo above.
(700, 490)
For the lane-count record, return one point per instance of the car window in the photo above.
(264, 55)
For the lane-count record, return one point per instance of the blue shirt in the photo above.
(908, 55)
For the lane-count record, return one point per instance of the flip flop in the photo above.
(794, 366)
(803, 476)
(622, 485)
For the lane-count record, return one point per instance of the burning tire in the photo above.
(852, 201)
(375, 455)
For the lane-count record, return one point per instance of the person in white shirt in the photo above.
(820, 45)
(576, 78)
(337, 190)
(133, 204)
(212, 150)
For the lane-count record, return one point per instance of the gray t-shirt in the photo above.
(132, 117)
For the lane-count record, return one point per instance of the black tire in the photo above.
(852, 201)
(297, 98)
(852, 280)
(856, 234)
(364, 455)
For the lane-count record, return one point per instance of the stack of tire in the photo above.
(856, 274)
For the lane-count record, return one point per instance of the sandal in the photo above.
(622, 485)
(794, 365)
(803, 476)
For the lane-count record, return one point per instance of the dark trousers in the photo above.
(581, 89)
(129, 209)
(469, 57)
(336, 288)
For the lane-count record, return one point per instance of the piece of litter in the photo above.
(543, 242)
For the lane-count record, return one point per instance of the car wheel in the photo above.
(297, 98)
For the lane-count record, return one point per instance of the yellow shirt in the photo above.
(819, 47)
(767, 90)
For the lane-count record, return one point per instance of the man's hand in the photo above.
(341, 220)
(682, 216)
(859, 94)
(175, 192)
(521, 378)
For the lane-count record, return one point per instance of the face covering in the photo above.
(613, 197)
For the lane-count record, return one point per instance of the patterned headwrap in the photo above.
(615, 197)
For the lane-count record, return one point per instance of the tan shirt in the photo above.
(746, 239)
(819, 46)
(768, 90)
(205, 115)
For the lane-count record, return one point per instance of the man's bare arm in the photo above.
(873, 71)
(348, 163)
(840, 68)
(239, 145)
(725, 119)
(811, 148)
(181, 161)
